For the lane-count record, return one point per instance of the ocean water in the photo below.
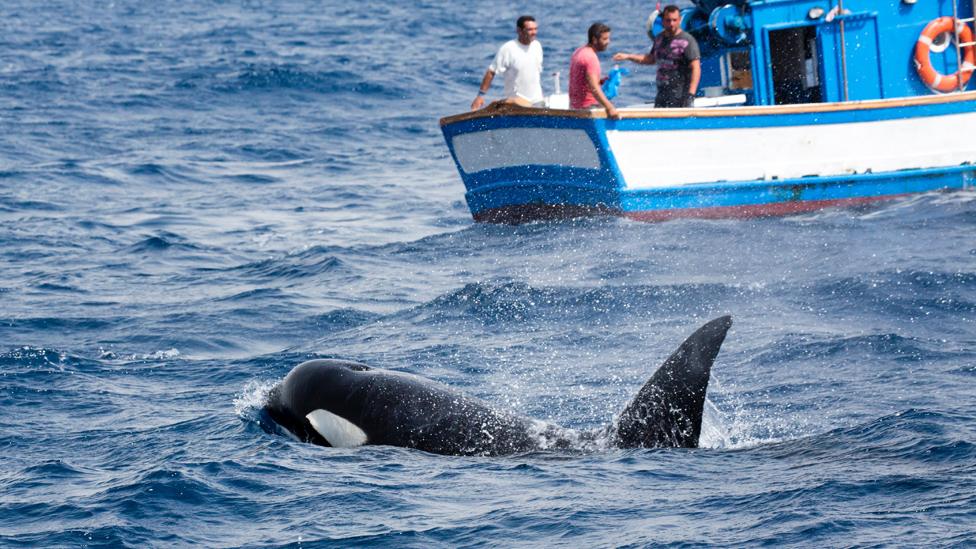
(197, 196)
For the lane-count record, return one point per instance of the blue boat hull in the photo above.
(523, 165)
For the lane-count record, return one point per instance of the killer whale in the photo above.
(344, 404)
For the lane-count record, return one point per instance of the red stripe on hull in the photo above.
(525, 213)
(754, 210)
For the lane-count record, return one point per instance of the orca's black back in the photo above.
(395, 409)
(413, 412)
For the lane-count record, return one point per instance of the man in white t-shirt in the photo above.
(521, 62)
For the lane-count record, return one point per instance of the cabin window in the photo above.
(795, 65)
(740, 70)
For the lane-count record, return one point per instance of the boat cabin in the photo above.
(778, 52)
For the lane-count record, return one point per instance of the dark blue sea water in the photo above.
(197, 196)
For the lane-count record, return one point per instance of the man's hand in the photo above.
(612, 113)
(689, 100)
(482, 90)
(646, 59)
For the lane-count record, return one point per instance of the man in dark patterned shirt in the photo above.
(678, 62)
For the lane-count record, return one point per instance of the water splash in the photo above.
(252, 398)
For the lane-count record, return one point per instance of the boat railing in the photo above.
(960, 45)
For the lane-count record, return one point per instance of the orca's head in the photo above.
(313, 402)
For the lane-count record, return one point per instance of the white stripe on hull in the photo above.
(508, 147)
(664, 158)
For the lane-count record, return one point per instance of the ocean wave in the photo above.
(264, 153)
(16, 205)
(252, 179)
(60, 288)
(969, 370)
(162, 242)
(58, 324)
(33, 81)
(502, 302)
(149, 168)
(277, 77)
(905, 293)
(913, 436)
(30, 357)
(308, 263)
(832, 348)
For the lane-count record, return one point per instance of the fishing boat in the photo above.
(803, 104)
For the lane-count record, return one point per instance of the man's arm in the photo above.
(593, 82)
(646, 59)
(694, 76)
(695, 66)
(482, 90)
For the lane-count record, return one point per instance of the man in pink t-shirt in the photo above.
(584, 72)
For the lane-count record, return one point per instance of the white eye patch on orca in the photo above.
(337, 431)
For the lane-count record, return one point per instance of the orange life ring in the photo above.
(923, 63)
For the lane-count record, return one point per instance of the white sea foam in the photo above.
(161, 355)
(252, 397)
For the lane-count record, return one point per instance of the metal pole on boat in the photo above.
(843, 48)
(961, 83)
(970, 19)
(967, 21)
(955, 35)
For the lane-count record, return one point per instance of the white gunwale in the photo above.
(500, 108)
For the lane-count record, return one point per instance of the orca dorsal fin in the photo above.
(667, 411)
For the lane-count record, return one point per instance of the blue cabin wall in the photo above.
(879, 39)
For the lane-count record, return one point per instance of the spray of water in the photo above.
(252, 398)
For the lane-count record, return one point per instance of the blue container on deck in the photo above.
(708, 6)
